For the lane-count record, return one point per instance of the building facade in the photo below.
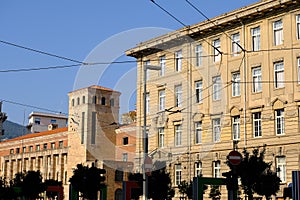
(39, 122)
(234, 77)
(89, 139)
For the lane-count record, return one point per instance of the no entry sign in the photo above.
(234, 157)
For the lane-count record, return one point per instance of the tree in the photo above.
(159, 183)
(215, 192)
(256, 174)
(186, 189)
(88, 181)
(29, 184)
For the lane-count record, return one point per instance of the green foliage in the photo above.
(88, 180)
(186, 189)
(256, 174)
(159, 183)
(215, 192)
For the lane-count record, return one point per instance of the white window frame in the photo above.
(256, 79)
(298, 26)
(217, 45)
(161, 137)
(236, 127)
(162, 63)
(178, 172)
(279, 75)
(298, 64)
(257, 126)
(255, 34)
(281, 168)
(216, 169)
(125, 157)
(236, 84)
(198, 132)
(216, 129)
(278, 32)
(178, 135)
(178, 95)
(216, 88)
(198, 55)
(198, 168)
(279, 121)
(147, 103)
(235, 42)
(199, 91)
(178, 61)
(162, 100)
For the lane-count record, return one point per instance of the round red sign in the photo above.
(234, 157)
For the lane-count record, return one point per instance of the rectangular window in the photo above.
(37, 147)
(298, 26)
(216, 50)
(125, 140)
(278, 32)
(82, 127)
(236, 127)
(30, 148)
(216, 88)
(279, 121)
(236, 84)
(216, 169)
(255, 34)
(147, 62)
(53, 121)
(60, 144)
(298, 59)
(235, 42)
(161, 137)
(11, 151)
(281, 168)
(216, 130)
(198, 53)
(177, 174)
(178, 134)
(93, 135)
(257, 124)
(162, 63)
(147, 103)
(125, 157)
(199, 89)
(45, 146)
(17, 150)
(198, 132)
(37, 121)
(198, 168)
(53, 145)
(178, 96)
(279, 75)
(256, 79)
(162, 97)
(24, 150)
(178, 60)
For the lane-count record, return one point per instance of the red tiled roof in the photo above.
(97, 87)
(33, 135)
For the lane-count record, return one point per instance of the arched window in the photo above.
(83, 99)
(118, 194)
(103, 101)
(94, 99)
(73, 102)
(78, 100)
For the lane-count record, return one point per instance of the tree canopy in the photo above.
(88, 180)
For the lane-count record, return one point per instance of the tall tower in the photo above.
(93, 118)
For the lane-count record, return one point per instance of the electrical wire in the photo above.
(39, 68)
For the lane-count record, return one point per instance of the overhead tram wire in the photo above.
(41, 52)
(163, 9)
(39, 68)
(201, 13)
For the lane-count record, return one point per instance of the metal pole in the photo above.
(145, 138)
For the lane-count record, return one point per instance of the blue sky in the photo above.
(74, 29)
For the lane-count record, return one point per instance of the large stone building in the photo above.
(90, 138)
(234, 77)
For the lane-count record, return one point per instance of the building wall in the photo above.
(38, 122)
(266, 102)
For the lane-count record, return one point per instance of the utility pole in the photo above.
(3, 117)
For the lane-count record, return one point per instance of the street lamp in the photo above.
(145, 135)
